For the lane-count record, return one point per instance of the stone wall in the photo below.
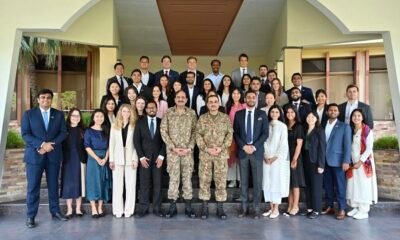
(384, 128)
(13, 185)
(388, 173)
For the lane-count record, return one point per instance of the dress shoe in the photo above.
(305, 212)
(127, 215)
(158, 213)
(220, 211)
(59, 217)
(340, 215)
(172, 211)
(328, 211)
(102, 214)
(313, 215)
(204, 210)
(352, 212)
(95, 215)
(242, 213)
(79, 214)
(274, 215)
(232, 184)
(360, 215)
(141, 213)
(189, 210)
(118, 215)
(30, 222)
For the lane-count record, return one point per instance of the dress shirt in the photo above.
(190, 90)
(48, 114)
(329, 128)
(145, 78)
(320, 113)
(166, 72)
(215, 78)
(296, 104)
(349, 109)
(155, 130)
(123, 79)
(138, 87)
(243, 71)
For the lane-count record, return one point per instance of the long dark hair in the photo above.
(296, 118)
(203, 92)
(275, 106)
(221, 85)
(241, 82)
(230, 102)
(353, 127)
(104, 106)
(109, 86)
(158, 85)
(126, 93)
(104, 126)
(317, 124)
(80, 124)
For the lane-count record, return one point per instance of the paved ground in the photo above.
(382, 225)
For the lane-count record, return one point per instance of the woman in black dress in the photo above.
(295, 138)
(74, 154)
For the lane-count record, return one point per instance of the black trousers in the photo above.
(150, 180)
(314, 182)
(250, 163)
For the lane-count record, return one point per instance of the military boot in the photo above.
(220, 211)
(189, 210)
(204, 210)
(172, 211)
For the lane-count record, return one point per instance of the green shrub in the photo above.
(14, 140)
(86, 119)
(386, 142)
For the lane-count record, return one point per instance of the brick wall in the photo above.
(13, 186)
(388, 173)
(384, 128)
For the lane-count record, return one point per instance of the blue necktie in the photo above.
(249, 134)
(46, 120)
(152, 128)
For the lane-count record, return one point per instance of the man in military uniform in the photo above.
(213, 136)
(178, 129)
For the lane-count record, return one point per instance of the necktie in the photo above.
(46, 120)
(249, 134)
(122, 82)
(152, 128)
(296, 105)
(166, 73)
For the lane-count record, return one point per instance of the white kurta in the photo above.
(276, 176)
(360, 188)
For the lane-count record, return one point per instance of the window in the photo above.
(314, 65)
(379, 91)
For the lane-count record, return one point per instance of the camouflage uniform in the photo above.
(213, 131)
(178, 131)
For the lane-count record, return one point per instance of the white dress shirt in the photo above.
(190, 90)
(138, 87)
(349, 109)
(320, 113)
(145, 78)
(328, 129)
(296, 104)
(216, 79)
(123, 79)
(243, 71)
(155, 129)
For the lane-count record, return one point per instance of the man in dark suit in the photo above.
(123, 82)
(192, 67)
(250, 132)
(238, 73)
(142, 89)
(352, 103)
(338, 157)
(302, 108)
(262, 72)
(43, 129)
(307, 95)
(148, 78)
(255, 85)
(150, 149)
(191, 91)
(166, 64)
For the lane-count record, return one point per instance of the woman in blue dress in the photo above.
(74, 154)
(98, 177)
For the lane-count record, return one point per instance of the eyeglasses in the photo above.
(45, 97)
(76, 115)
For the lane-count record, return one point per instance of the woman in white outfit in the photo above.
(123, 161)
(276, 172)
(361, 178)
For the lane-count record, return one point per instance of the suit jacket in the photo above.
(152, 80)
(145, 92)
(265, 87)
(115, 79)
(338, 146)
(146, 146)
(303, 110)
(34, 134)
(116, 148)
(199, 78)
(324, 115)
(260, 132)
(173, 75)
(317, 146)
(237, 76)
(196, 92)
(306, 94)
(369, 120)
(261, 100)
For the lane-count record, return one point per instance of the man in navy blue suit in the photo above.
(307, 95)
(250, 132)
(166, 64)
(338, 157)
(43, 130)
(296, 100)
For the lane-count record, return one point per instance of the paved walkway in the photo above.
(381, 225)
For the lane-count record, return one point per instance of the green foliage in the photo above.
(386, 142)
(68, 99)
(14, 140)
(86, 119)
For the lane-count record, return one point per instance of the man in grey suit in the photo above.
(352, 103)
(338, 157)
(243, 69)
(255, 85)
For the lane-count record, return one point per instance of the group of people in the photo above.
(227, 128)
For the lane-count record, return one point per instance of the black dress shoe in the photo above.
(79, 214)
(313, 215)
(242, 213)
(95, 215)
(158, 213)
(140, 214)
(59, 217)
(102, 214)
(30, 222)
